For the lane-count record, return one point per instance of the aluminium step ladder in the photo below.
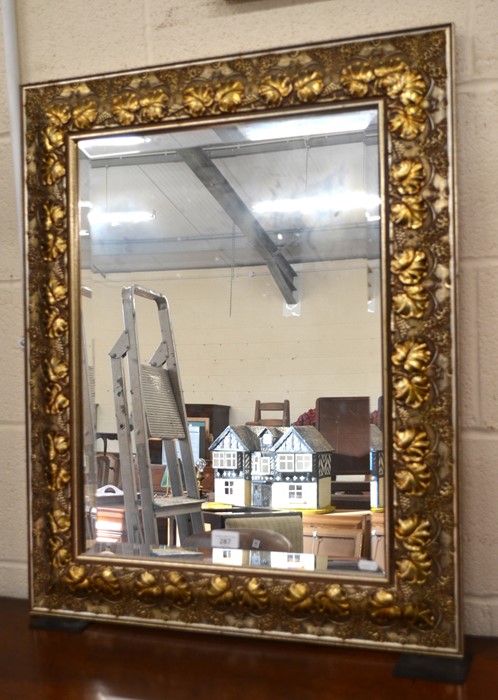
(88, 453)
(157, 411)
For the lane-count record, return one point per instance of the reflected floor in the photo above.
(233, 557)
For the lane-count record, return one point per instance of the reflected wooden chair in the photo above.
(272, 407)
(344, 421)
(290, 525)
(344, 535)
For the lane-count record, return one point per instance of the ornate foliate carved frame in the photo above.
(417, 607)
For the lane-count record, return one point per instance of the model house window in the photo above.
(229, 488)
(285, 463)
(293, 559)
(230, 460)
(267, 440)
(295, 492)
(260, 464)
(265, 465)
(304, 463)
(224, 460)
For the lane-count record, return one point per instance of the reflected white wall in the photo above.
(234, 344)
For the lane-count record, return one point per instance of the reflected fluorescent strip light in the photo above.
(106, 146)
(345, 201)
(115, 218)
(309, 126)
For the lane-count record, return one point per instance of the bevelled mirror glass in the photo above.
(241, 344)
(261, 244)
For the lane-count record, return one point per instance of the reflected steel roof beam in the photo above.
(219, 187)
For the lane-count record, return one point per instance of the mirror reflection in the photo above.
(232, 343)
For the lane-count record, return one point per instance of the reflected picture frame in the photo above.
(203, 424)
(416, 606)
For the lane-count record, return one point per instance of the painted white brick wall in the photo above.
(60, 40)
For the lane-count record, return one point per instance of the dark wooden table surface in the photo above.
(116, 662)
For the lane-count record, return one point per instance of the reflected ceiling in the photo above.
(228, 196)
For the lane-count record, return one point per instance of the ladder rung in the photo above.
(176, 505)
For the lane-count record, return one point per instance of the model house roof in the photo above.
(260, 430)
(247, 439)
(297, 437)
(306, 436)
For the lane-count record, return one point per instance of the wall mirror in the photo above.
(275, 280)
(204, 238)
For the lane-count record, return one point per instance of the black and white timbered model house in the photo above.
(272, 467)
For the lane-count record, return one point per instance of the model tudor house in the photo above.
(272, 467)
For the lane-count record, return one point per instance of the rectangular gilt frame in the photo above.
(416, 606)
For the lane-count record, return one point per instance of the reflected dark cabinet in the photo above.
(345, 422)
(219, 416)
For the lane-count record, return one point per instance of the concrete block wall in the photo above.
(61, 40)
(13, 521)
(232, 351)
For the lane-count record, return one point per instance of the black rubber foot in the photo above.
(433, 668)
(62, 624)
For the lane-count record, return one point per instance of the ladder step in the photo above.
(166, 506)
